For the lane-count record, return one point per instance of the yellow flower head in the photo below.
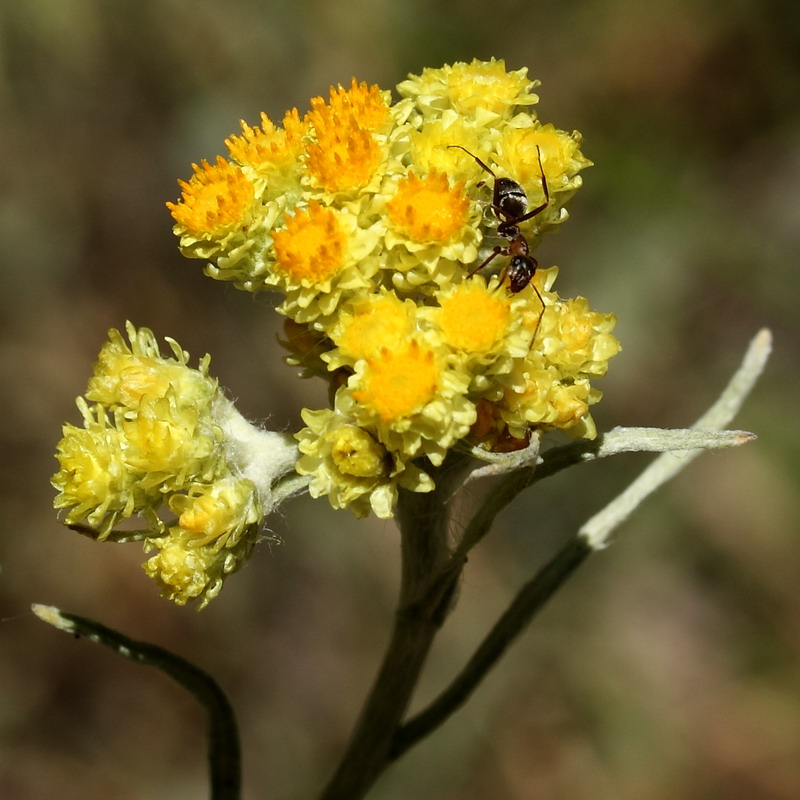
(351, 467)
(343, 158)
(261, 147)
(169, 441)
(518, 153)
(547, 401)
(560, 152)
(491, 348)
(366, 106)
(462, 305)
(550, 387)
(321, 256)
(412, 397)
(186, 571)
(215, 202)
(310, 249)
(369, 324)
(221, 216)
(217, 513)
(126, 373)
(396, 383)
(269, 155)
(431, 230)
(346, 149)
(94, 482)
(482, 90)
(580, 340)
(430, 147)
(428, 210)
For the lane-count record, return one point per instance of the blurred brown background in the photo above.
(670, 666)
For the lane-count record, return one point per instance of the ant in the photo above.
(510, 205)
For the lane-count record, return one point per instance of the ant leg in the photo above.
(493, 255)
(541, 314)
(488, 169)
(546, 191)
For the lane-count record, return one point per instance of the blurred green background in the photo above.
(670, 666)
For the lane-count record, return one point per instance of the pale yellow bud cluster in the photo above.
(162, 444)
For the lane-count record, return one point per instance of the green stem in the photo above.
(427, 586)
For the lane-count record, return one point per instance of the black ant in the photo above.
(510, 205)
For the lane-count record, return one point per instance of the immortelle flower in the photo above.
(375, 224)
(399, 239)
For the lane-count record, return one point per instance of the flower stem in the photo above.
(428, 581)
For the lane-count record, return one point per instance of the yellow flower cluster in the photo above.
(371, 218)
(160, 441)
